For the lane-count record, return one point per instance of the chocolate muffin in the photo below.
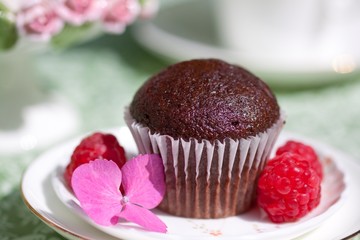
(205, 99)
(214, 125)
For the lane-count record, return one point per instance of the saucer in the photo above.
(187, 30)
(336, 217)
(43, 124)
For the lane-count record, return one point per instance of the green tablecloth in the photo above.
(99, 79)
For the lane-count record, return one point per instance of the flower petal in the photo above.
(96, 186)
(39, 21)
(144, 180)
(120, 13)
(143, 217)
(78, 12)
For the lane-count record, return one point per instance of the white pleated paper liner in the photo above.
(207, 179)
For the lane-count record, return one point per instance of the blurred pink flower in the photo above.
(149, 8)
(39, 21)
(78, 12)
(120, 13)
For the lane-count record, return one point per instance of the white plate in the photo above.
(338, 212)
(187, 30)
(43, 124)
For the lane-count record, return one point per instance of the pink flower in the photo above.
(120, 13)
(149, 8)
(39, 21)
(78, 12)
(96, 185)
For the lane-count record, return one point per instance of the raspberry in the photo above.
(306, 152)
(288, 188)
(97, 145)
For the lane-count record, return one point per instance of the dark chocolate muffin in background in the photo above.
(205, 99)
(214, 125)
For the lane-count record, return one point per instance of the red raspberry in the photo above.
(288, 188)
(97, 145)
(306, 152)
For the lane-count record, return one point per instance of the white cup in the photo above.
(290, 30)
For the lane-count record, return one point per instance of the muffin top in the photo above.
(205, 99)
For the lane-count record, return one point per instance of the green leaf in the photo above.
(71, 35)
(3, 8)
(8, 33)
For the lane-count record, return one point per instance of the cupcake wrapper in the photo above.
(202, 174)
